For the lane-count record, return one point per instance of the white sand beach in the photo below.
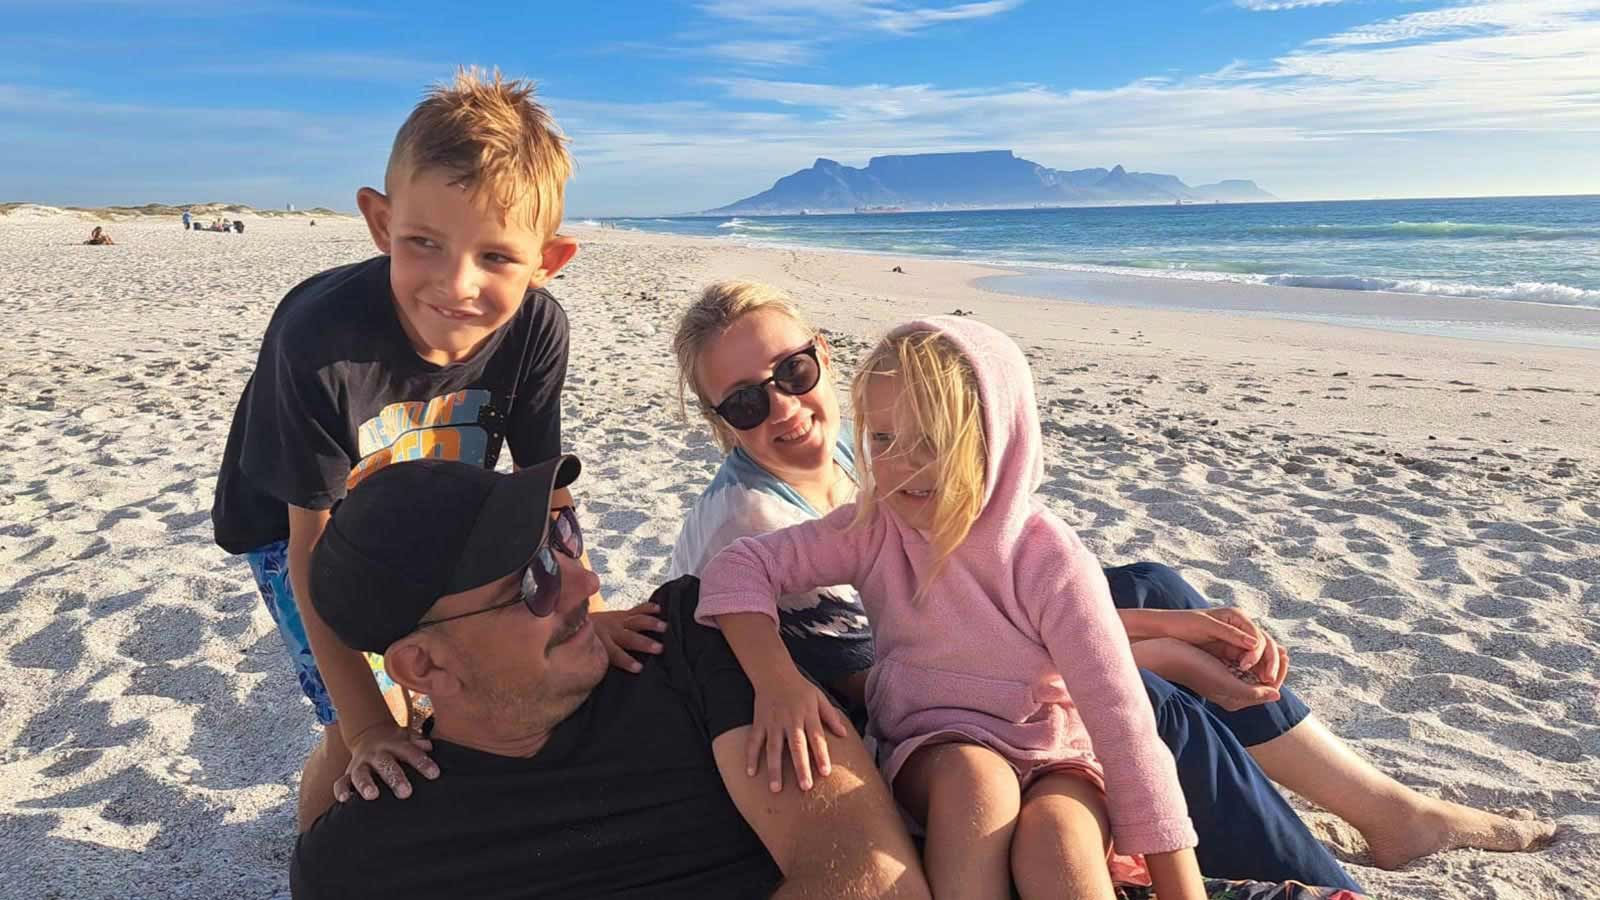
(1416, 517)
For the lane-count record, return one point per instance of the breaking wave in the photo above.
(1424, 230)
(1535, 291)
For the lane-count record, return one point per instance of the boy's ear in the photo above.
(556, 253)
(411, 664)
(375, 209)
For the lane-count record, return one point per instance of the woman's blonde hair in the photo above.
(720, 305)
(939, 399)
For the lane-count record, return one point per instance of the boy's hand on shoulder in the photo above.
(625, 632)
(379, 750)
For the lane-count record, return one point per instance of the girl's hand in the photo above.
(792, 712)
(380, 749)
(625, 632)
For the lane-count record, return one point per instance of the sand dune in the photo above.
(1418, 518)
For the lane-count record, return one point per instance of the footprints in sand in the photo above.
(1440, 597)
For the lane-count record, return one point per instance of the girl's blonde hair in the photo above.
(938, 398)
(720, 305)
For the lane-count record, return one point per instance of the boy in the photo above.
(438, 348)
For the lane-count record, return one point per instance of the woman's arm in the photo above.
(1218, 653)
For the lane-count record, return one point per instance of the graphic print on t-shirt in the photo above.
(449, 426)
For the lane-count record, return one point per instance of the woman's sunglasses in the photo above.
(541, 580)
(749, 406)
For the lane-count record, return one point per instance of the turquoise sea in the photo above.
(1525, 249)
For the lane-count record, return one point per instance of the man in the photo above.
(561, 776)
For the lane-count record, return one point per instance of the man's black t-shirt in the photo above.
(338, 392)
(625, 800)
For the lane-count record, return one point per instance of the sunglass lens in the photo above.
(541, 583)
(746, 408)
(568, 535)
(797, 375)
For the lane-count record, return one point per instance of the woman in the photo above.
(761, 378)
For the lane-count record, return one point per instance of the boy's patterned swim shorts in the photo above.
(270, 565)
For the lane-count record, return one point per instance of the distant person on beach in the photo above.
(562, 778)
(442, 347)
(238, 226)
(99, 237)
(742, 333)
(186, 220)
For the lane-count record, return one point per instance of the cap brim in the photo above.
(511, 524)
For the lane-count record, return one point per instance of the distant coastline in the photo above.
(983, 179)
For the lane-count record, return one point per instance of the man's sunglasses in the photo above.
(749, 406)
(541, 580)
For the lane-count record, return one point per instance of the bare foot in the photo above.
(1438, 825)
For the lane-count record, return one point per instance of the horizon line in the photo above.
(122, 207)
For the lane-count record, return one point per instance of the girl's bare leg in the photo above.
(1059, 849)
(967, 798)
(1399, 824)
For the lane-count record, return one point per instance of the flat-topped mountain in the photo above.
(987, 178)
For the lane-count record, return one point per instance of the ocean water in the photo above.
(1528, 249)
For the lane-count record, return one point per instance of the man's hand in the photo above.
(625, 632)
(380, 749)
(792, 712)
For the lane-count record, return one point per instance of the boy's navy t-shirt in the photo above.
(624, 800)
(338, 393)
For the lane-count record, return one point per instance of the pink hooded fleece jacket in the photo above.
(1019, 607)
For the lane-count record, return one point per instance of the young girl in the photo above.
(999, 653)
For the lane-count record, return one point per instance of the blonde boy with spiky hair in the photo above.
(441, 347)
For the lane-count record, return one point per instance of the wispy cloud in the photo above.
(182, 152)
(764, 53)
(812, 16)
(907, 21)
(1278, 5)
(797, 32)
(1522, 74)
(341, 66)
(64, 110)
(1480, 17)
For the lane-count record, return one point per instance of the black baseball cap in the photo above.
(416, 531)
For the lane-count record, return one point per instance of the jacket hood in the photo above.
(1014, 464)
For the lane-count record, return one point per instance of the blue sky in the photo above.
(678, 105)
